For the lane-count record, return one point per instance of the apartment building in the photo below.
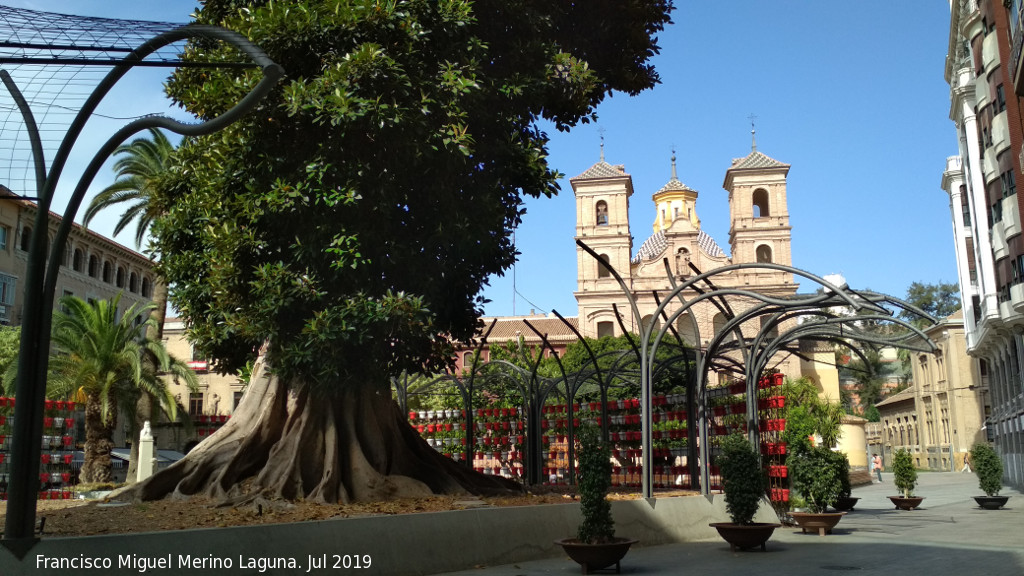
(92, 267)
(981, 68)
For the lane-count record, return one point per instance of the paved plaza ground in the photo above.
(948, 536)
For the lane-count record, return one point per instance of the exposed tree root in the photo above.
(287, 444)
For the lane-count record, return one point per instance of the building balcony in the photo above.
(1011, 217)
(998, 238)
(1017, 297)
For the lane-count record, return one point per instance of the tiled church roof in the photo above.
(656, 245)
(756, 160)
(674, 185)
(602, 170)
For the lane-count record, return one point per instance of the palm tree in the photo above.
(108, 361)
(140, 166)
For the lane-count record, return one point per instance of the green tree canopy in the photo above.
(352, 219)
(940, 300)
(360, 210)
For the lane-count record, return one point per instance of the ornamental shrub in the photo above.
(742, 478)
(816, 476)
(594, 481)
(988, 467)
(904, 472)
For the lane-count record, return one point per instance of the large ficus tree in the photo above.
(347, 226)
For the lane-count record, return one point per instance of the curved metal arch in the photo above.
(40, 284)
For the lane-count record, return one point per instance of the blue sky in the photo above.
(851, 94)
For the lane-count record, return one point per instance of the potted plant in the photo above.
(595, 546)
(989, 469)
(905, 479)
(817, 478)
(845, 501)
(744, 484)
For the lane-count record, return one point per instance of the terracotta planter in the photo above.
(991, 502)
(845, 503)
(903, 503)
(596, 556)
(822, 522)
(745, 536)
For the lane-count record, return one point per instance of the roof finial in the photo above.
(674, 163)
(600, 131)
(753, 133)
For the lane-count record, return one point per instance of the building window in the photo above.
(4, 232)
(8, 284)
(26, 238)
(120, 277)
(605, 329)
(237, 397)
(76, 260)
(764, 254)
(1009, 183)
(133, 283)
(965, 208)
(602, 213)
(195, 403)
(603, 270)
(108, 272)
(147, 288)
(94, 267)
(760, 202)
(1000, 99)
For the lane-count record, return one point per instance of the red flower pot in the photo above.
(68, 458)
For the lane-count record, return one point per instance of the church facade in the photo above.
(759, 231)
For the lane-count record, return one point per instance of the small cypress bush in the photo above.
(595, 479)
(904, 472)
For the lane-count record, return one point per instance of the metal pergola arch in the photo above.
(829, 296)
(41, 274)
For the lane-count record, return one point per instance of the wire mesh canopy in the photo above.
(56, 61)
(33, 37)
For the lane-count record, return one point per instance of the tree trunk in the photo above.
(144, 410)
(287, 443)
(99, 441)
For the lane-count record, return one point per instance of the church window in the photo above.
(760, 202)
(602, 213)
(651, 323)
(718, 323)
(764, 253)
(602, 268)
(605, 329)
(687, 329)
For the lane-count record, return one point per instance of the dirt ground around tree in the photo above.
(89, 518)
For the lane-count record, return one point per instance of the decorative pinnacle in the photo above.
(601, 132)
(674, 164)
(753, 133)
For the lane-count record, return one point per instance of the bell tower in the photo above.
(759, 229)
(602, 223)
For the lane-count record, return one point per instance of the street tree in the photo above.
(346, 228)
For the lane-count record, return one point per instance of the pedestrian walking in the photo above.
(876, 466)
